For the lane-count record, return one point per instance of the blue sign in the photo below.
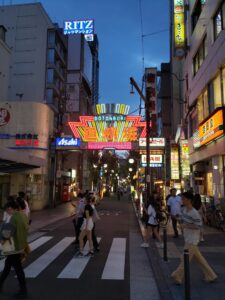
(67, 142)
(5, 136)
(79, 27)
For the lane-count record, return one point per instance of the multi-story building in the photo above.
(82, 94)
(205, 69)
(4, 66)
(37, 76)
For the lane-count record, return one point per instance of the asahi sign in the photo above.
(63, 142)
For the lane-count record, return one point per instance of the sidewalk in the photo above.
(214, 251)
(46, 217)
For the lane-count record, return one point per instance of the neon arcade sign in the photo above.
(114, 131)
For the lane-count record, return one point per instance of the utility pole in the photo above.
(147, 120)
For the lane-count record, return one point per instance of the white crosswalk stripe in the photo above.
(34, 245)
(39, 265)
(114, 268)
(115, 264)
(76, 266)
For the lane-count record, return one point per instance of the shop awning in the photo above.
(16, 161)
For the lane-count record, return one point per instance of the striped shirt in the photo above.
(191, 236)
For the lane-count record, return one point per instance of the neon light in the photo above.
(67, 141)
(109, 145)
(79, 27)
(90, 129)
(154, 142)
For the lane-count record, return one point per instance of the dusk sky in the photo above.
(117, 24)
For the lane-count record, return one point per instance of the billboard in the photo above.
(212, 128)
(185, 163)
(179, 28)
(155, 160)
(109, 130)
(85, 27)
(64, 142)
(154, 142)
(174, 159)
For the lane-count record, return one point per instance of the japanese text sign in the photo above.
(212, 128)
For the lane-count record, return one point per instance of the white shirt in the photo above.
(27, 209)
(191, 236)
(152, 215)
(175, 205)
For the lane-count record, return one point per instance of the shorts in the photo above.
(152, 225)
(87, 225)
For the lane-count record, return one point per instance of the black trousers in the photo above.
(94, 239)
(15, 262)
(174, 223)
(77, 226)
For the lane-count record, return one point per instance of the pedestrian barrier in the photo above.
(165, 256)
(187, 283)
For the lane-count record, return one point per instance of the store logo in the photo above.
(65, 142)
(4, 116)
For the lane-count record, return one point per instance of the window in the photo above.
(197, 12)
(50, 75)
(51, 56)
(205, 104)
(49, 95)
(219, 20)
(217, 92)
(200, 109)
(210, 97)
(199, 56)
(223, 74)
(51, 37)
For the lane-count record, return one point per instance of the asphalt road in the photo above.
(54, 272)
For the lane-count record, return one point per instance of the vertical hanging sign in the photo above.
(175, 171)
(179, 28)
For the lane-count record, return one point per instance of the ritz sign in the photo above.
(79, 27)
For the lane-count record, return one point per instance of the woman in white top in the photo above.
(152, 225)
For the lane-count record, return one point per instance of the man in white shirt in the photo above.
(191, 223)
(174, 208)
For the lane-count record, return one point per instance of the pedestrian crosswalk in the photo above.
(112, 269)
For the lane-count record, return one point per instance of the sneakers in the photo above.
(80, 254)
(144, 245)
(90, 254)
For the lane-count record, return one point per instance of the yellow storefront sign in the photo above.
(212, 128)
(179, 31)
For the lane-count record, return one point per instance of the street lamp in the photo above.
(130, 169)
(105, 166)
(95, 166)
(131, 160)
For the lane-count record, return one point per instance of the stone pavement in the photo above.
(213, 248)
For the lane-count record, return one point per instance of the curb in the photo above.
(157, 266)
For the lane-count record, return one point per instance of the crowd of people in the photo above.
(187, 211)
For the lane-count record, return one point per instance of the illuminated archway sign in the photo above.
(110, 128)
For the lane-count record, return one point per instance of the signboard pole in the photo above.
(147, 117)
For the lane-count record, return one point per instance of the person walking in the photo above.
(14, 244)
(191, 224)
(86, 230)
(174, 207)
(152, 224)
(95, 219)
(79, 217)
(200, 207)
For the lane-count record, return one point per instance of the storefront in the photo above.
(207, 157)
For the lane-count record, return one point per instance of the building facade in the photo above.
(37, 76)
(204, 114)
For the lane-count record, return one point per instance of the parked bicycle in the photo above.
(215, 217)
